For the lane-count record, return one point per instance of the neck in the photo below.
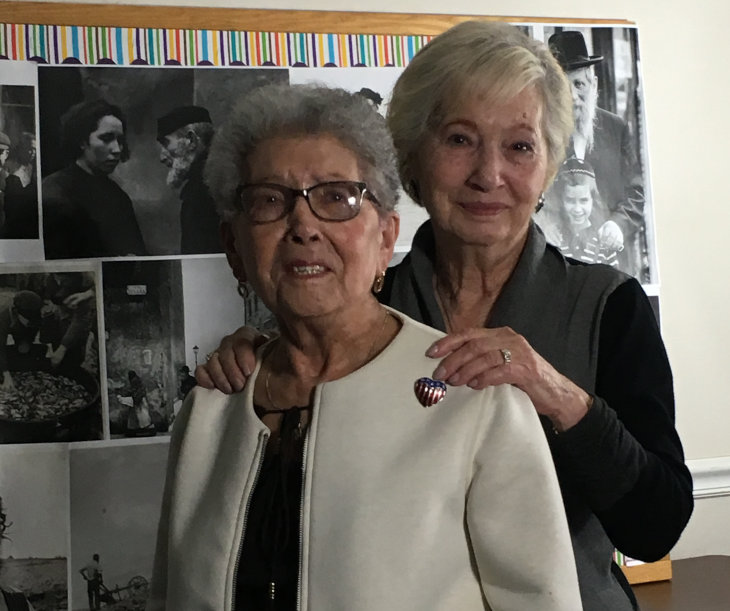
(86, 168)
(326, 348)
(468, 279)
(24, 174)
(577, 228)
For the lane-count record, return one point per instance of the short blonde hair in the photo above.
(489, 58)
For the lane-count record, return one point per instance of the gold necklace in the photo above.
(370, 355)
(268, 390)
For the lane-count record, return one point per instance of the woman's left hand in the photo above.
(487, 357)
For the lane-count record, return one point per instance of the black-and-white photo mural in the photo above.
(114, 284)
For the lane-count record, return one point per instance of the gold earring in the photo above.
(378, 282)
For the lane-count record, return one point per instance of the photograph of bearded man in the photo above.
(184, 135)
(603, 140)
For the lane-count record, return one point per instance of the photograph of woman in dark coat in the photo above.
(85, 213)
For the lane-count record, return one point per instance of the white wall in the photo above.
(206, 319)
(685, 50)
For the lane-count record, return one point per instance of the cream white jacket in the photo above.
(454, 507)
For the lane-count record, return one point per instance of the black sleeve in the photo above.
(625, 456)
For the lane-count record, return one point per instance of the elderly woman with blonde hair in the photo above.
(480, 120)
(343, 477)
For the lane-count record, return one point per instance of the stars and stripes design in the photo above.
(428, 391)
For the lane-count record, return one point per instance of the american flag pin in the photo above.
(428, 391)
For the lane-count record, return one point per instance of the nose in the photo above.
(115, 147)
(164, 155)
(488, 166)
(302, 225)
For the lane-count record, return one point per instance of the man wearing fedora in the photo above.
(184, 135)
(603, 140)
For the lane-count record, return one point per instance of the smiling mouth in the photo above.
(482, 208)
(308, 270)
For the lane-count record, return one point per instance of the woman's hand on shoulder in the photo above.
(479, 358)
(230, 365)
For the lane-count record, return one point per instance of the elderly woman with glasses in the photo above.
(342, 477)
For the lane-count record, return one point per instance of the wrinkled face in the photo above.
(4, 154)
(177, 152)
(103, 151)
(584, 86)
(578, 205)
(482, 170)
(300, 265)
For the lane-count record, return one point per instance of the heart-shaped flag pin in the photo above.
(428, 391)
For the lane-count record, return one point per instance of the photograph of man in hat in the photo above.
(184, 135)
(85, 212)
(603, 140)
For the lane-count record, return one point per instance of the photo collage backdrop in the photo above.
(102, 332)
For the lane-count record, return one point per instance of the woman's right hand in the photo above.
(230, 365)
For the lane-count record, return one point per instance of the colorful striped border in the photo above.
(159, 47)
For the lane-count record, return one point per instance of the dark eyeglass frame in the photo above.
(291, 195)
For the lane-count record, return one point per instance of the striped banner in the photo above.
(52, 44)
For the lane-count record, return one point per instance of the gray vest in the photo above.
(557, 306)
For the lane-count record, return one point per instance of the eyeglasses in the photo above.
(330, 201)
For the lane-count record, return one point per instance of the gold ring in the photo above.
(506, 355)
(210, 355)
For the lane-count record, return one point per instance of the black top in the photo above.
(621, 468)
(199, 221)
(15, 601)
(88, 215)
(21, 209)
(268, 565)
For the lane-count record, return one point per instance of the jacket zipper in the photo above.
(263, 440)
(301, 516)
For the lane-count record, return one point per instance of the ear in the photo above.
(389, 229)
(228, 240)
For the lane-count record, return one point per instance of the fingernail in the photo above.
(454, 379)
(432, 351)
(247, 371)
(473, 383)
(439, 373)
